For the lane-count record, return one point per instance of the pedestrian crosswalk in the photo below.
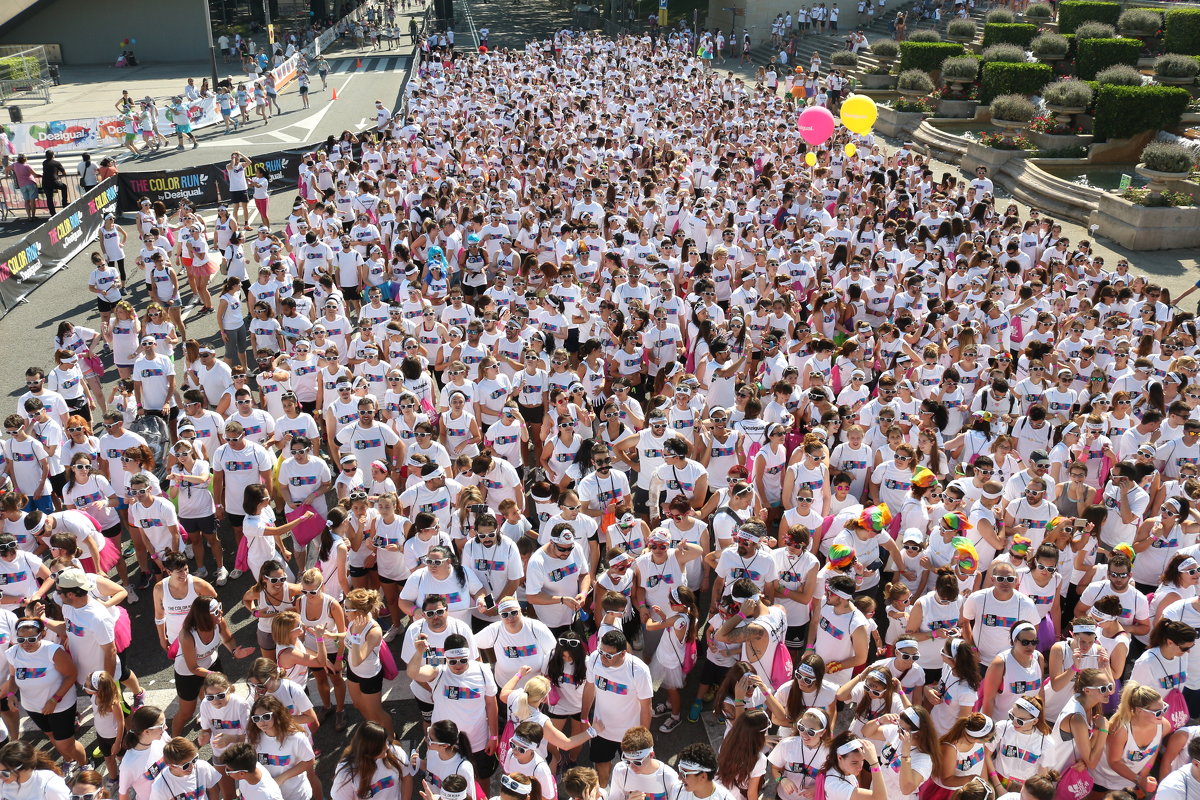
(369, 64)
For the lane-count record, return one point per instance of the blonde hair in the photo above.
(283, 625)
(311, 576)
(537, 689)
(1133, 697)
(365, 601)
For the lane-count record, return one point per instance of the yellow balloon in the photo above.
(851, 150)
(859, 113)
(810, 158)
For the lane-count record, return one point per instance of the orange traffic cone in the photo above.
(334, 94)
(358, 63)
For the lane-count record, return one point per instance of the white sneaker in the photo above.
(189, 551)
(132, 595)
(222, 576)
(202, 572)
(391, 633)
(237, 573)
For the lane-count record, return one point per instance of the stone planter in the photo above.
(913, 93)
(1054, 141)
(1165, 81)
(1011, 128)
(897, 124)
(1159, 181)
(957, 109)
(1143, 228)
(1190, 117)
(1063, 114)
(879, 81)
(960, 39)
(980, 155)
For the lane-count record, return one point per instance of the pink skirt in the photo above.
(110, 554)
(122, 634)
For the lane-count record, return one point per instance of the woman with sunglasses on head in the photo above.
(910, 754)
(27, 772)
(204, 630)
(847, 759)
(795, 761)
(284, 748)
(1135, 733)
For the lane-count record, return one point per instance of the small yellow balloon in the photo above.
(851, 150)
(810, 158)
(859, 113)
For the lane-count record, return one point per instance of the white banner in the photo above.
(91, 133)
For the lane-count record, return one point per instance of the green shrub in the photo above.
(1139, 20)
(1124, 111)
(1069, 93)
(1072, 13)
(927, 55)
(915, 80)
(1013, 108)
(1039, 11)
(960, 68)
(1182, 31)
(1009, 53)
(961, 28)
(885, 48)
(1000, 15)
(1173, 65)
(1050, 44)
(925, 35)
(1164, 157)
(1120, 75)
(1020, 34)
(1095, 30)
(844, 58)
(18, 68)
(1096, 54)
(1004, 78)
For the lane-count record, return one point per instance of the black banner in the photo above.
(43, 252)
(206, 184)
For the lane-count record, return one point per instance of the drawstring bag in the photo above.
(781, 666)
(388, 661)
(1177, 713)
(1074, 784)
(1047, 635)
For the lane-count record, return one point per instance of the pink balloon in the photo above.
(816, 125)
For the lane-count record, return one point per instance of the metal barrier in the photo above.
(11, 196)
(25, 75)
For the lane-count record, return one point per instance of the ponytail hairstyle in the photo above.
(18, 755)
(683, 596)
(336, 518)
(973, 721)
(1133, 697)
(106, 691)
(963, 662)
(1086, 678)
(138, 722)
(264, 670)
(1044, 786)
(445, 731)
(537, 689)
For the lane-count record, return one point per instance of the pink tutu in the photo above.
(122, 635)
(110, 554)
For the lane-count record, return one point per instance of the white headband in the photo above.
(850, 747)
(1100, 616)
(954, 645)
(690, 767)
(448, 795)
(907, 644)
(1027, 707)
(816, 712)
(1022, 626)
(838, 592)
(637, 755)
(508, 605)
(437, 473)
(515, 786)
(458, 652)
(987, 728)
(1188, 563)
(993, 495)
(1085, 629)
(911, 716)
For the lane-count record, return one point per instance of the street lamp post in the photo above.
(212, 48)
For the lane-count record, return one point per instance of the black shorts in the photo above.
(206, 525)
(533, 415)
(188, 686)
(103, 306)
(393, 581)
(309, 407)
(796, 636)
(373, 685)
(239, 196)
(426, 710)
(112, 533)
(712, 674)
(604, 750)
(932, 676)
(105, 746)
(359, 572)
(552, 715)
(350, 292)
(57, 482)
(58, 726)
(236, 521)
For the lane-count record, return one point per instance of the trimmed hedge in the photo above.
(19, 68)
(1071, 13)
(1015, 33)
(1182, 31)
(1124, 111)
(1096, 54)
(1001, 77)
(927, 55)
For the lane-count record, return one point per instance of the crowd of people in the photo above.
(575, 401)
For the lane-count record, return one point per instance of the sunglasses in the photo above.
(1006, 578)
(212, 698)
(263, 717)
(457, 661)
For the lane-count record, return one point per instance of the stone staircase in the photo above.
(880, 28)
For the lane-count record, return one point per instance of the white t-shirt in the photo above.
(619, 693)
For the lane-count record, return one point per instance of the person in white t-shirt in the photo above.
(253, 781)
(617, 694)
